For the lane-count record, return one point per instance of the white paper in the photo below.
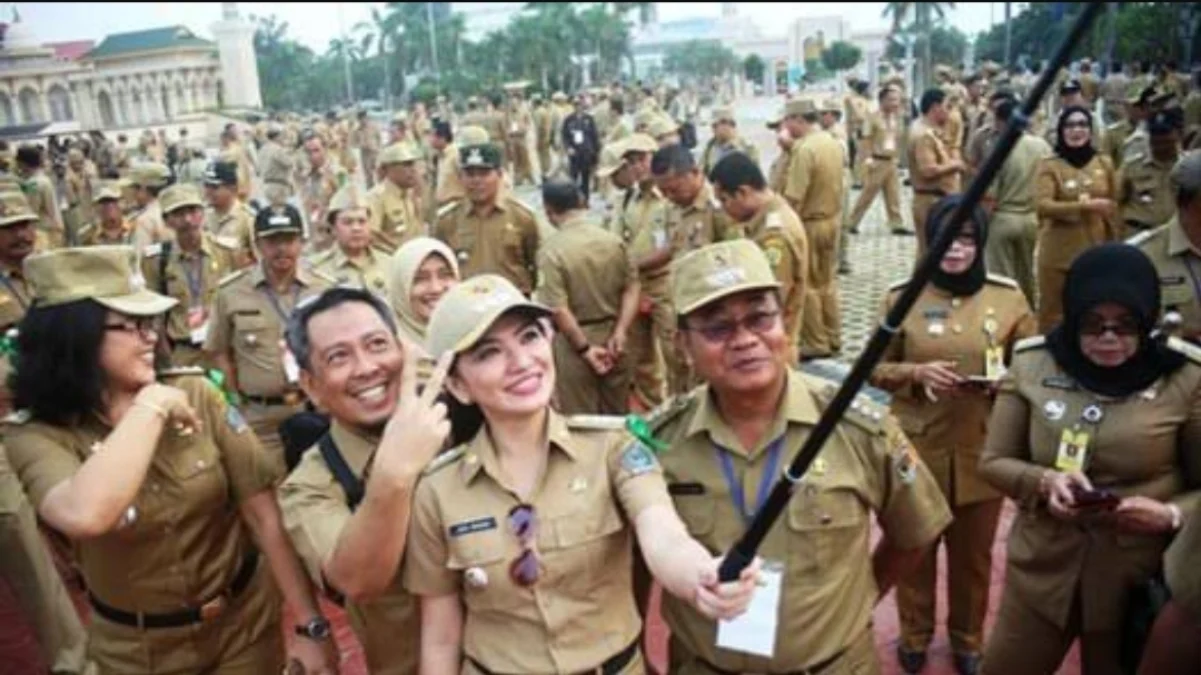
(660, 238)
(755, 631)
(200, 333)
(577, 137)
(291, 368)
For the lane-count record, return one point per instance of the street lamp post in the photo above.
(429, 14)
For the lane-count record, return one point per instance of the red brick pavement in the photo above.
(18, 653)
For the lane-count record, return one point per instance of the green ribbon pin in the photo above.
(642, 431)
(218, 379)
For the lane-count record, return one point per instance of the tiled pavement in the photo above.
(877, 258)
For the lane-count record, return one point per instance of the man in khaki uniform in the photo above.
(188, 270)
(232, 150)
(319, 178)
(1175, 248)
(518, 125)
(110, 227)
(247, 323)
(80, 183)
(1145, 197)
(1090, 86)
(354, 259)
(447, 186)
(490, 231)
(933, 171)
(393, 218)
(277, 164)
(1113, 92)
(1136, 105)
(586, 277)
(18, 239)
(814, 191)
(777, 175)
(768, 220)
(39, 190)
(147, 180)
(544, 129)
(229, 220)
(857, 110)
(880, 143)
(366, 137)
(725, 140)
(695, 217)
(831, 113)
(755, 423)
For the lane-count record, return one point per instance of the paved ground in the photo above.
(877, 258)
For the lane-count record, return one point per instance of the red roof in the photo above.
(71, 51)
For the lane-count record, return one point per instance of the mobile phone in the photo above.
(1096, 500)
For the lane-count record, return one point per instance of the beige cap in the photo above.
(799, 107)
(558, 96)
(399, 153)
(722, 114)
(719, 270)
(643, 119)
(776, 119)
(107, 274)
(1187, 172)
(75, 156)
(662, 125)
(15, 208)
(635, 143)
(110, 190)
(180, 196)
(829, 104)
(472, 135)
(349, 197)
(149, 174)
(610, 161)
(400, 117)
(469, 309)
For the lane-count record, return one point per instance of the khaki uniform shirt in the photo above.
(1113, 90)
(191, 278)
(1012, 191)
(881, 137)
(234, 228)
(1136, 146)
(15, 296)
(857, 111)
(1180, 564)
(777, 175)
(1115, 137)
(148, 225)
(645, 216)
(714, 152)
(276, 165)
(95, 235)
(867, 467)
(39, 191)
(1148, 445)
(581, 612)
(392, 216)
(952, 133)
(585, 268)
(504, 240)
(369, 272)
(815, 177)
(700, 223)
(317, 187)
(1065, 229)
(79, 193)
(448, 187)
(247, 324)
(949, 433)
(926, 151)
(778, 231)
(315, 514)
(1090, 88)
(1145, 192)
(182, 539)
(1178, 263)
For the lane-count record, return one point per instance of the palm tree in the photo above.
(925, 15)
(380, 31)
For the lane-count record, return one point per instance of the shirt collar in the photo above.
(480, 454)
(797, 407)
(354, 446)
(1178, 241)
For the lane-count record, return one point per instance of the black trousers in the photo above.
(581, 174)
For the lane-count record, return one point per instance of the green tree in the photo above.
(948, 46)
(753, 68)
(699, 59)
(283, 64)
(919, 18)
(841, 56)
(382, 35)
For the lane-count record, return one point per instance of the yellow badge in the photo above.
(774, 255)
(994, 363)
(1073, 449)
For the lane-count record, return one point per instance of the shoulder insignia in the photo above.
(774, 221)
(1144, 237)
(182, 371)
(152, 250)
(226, 242)
(231, 277)
(522, 206)
(320, 257)
(250, 210)
(444, 460)
(323, 276)
(1030, 343)
(596, 422)
(669, 410)
(899, 284)
(1001, 280)
(17, 417)
(863, 411)
(448, 207)
(1186, 348)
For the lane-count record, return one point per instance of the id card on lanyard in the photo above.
(291, 368)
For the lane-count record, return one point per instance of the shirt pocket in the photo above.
(578, 549)
(252, 332)
(483, 555)
(825, 524)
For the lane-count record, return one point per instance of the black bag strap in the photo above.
(351, 485)
(164, 258)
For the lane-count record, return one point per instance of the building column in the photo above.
(44, 104)
(145, 104)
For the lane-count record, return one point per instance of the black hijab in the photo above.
(1121, 274)
(1077, 157)
(968, 282)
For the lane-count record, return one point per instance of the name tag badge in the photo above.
(889, 144)
(291, 368)
(200, 334)
(473, 526)
(755, 631)
(660, 238)
(577, 137)
(1073, 449)
(994, 363)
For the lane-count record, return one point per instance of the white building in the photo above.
(127, 80)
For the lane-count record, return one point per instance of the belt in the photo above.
(593, 322)
(613, 665)
(1139, 225)
(289, 398)
(205, 613)
(814, 669)
(883, 158)
(933, 192)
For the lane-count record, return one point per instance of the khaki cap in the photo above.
(520, 85)
(485, 156)
(107, 274)
(399, 153)
(400, 117)
(75, 156)
(1187, 172)
(349, 197)
(558, 96)
(635, 143)
(610, 161)
(799, 106)
(722, 115)
(662, 125)
(776, 119)
(15, 208)
(277, 219)
(110, 190)
(643, 119)
(180, 196)
(472, 135)
(149, 174)
(829, 104)
(469, 309)
(719, 270)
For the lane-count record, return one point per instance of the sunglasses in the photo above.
(719, 332)
(1096, 327)
(523, 524)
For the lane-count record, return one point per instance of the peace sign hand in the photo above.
(419, 425)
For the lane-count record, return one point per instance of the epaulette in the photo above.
(152, 250)
(1186, 348)
(1145, 236)
(596, 422)
(1029, 343)
(231, 277)
(250, 210)
(1116, 126)
(444, 460)
(522, 206)
(85, 231)
(17, 417)
(1002, 280)
(773, 221)
(181, 371)
(323, 276)
(668, 411)
(863, 412)
(228, 243)
(320, 257)
(448, 207)
(899, 284)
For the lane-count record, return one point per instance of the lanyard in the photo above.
(274, 299)
(193, 271)
(765, 482)
(1188, 265)
(12, 290)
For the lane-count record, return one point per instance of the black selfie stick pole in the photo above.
(744, 550)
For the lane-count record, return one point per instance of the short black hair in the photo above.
(297, 333)
(884, 92)
(1001, 94)
(1005, 108)
(675, 159)
(931, 98)
(29, 156)
(442, 130)
(58, 377)
(736, 170)
(560, 196)
(617, 105)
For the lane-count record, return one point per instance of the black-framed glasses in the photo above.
(523, 524)
(141, 325)
(757, 322)
(1095, 326)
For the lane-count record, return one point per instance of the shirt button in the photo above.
(200, 464)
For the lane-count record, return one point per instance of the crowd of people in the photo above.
(330, 364)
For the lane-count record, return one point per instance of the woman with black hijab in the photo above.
(1074, 196)
(1096, 434)
(941, 367)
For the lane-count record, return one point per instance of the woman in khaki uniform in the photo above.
(521, 539)
(422, 271)
(162, 488)
(1096, 434)
(941, 368)
(1074, 196)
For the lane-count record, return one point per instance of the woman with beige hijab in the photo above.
(422, 271)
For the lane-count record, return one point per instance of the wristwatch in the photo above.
(317, 629)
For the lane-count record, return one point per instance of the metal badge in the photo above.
(462, 256)
(1054, 410)
(936, 329)
(475, 577)
(1093, 414)
(578, 485)
(1070, 184)
(990, 326)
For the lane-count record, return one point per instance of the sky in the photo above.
(315, 23)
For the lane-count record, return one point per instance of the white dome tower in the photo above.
(239, 67)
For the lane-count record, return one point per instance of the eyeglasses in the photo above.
(722, 331)
(523, 523)
(1079, 124)
(1094, 326)
(143, 325)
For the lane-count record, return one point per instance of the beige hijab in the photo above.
(405, 263)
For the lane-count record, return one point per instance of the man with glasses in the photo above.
(18, 235)
(740, 430)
